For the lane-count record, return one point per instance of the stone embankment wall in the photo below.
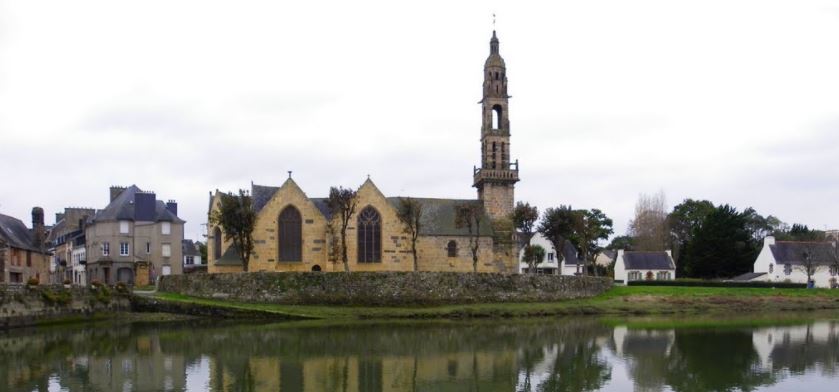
(383, 288)
(22, 306)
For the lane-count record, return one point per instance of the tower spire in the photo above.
(497, 175)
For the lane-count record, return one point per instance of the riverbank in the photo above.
(622, 301)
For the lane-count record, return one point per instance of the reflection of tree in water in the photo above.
(715, 360)
(578, 367)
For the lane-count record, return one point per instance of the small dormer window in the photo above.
(123, 227)
(165, 228)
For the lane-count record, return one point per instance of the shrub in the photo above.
(715, 283)
(33, 281)
(121, 287)
(61, 297)
(67, 281)
(95, 283)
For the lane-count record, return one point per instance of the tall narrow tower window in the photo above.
(496, 117)
(217, 243)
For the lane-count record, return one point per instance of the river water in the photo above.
(526, 355)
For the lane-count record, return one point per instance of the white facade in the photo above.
(626, 274)
(77, 265)
(825, 276)
(547, 266)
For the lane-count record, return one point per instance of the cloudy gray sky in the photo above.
(735, 101)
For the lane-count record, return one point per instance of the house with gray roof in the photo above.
(134, 239)
(23, 252)
(789, 261)
(192, 257)
(637, 265)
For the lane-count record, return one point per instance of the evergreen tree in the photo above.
(721, 247)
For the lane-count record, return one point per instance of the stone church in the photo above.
(292, 229)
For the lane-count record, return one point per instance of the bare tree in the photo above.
(649, 226)
(410, 214)
(469, 216)
(342, 203)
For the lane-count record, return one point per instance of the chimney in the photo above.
(768, 240)
(115, 191)
(144, 206)
(172, 206)
(38, 230)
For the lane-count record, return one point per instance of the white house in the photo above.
(785, 261)
(631, 265)
(192, 257)
(570, 265)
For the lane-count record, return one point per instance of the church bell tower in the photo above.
(497, 176)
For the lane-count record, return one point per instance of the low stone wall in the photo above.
(23, 306)
(383, 288)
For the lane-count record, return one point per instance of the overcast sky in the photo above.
(732, 101)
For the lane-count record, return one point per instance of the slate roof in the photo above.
(438, 216)
(648, 261)
(748, 276)
(261, 195)
(230, 257)
(188, 248)
(790, 252)
(569, 253)
(15, 233)
(122, 208)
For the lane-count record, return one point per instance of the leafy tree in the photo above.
(469, 216)
(757, 224)
(649, 226)
(686, 218)
(533, 256)
(237, 218)
(557, 226)
(342, 203)
(590, 227)
(621, 242)
(721, 247)
(410, 214)
(524, 219)
(202, 249)
(799, 232)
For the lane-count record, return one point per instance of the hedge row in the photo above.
(716, 283)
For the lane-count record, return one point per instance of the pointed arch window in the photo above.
(290, 235)
(369, 236)
(216, 243)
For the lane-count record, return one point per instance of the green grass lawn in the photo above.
(620, 300)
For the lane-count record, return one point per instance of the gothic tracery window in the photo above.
(369, 236)
(290, 235)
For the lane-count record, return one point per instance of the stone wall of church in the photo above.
(433, 255)
(266, 243)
